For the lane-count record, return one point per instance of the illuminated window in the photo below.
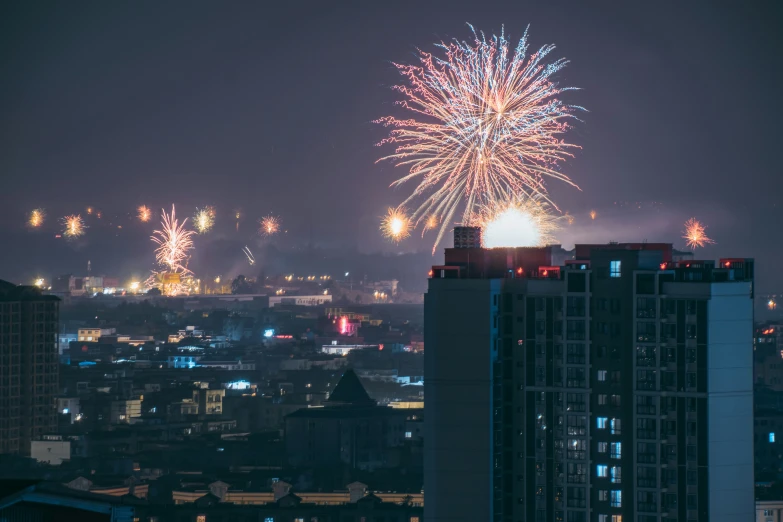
(601, 375)
(616, 450)
(617, 518)
(414, 519)
(408, 434)
(616, 474)
(616, 498)
(771, 434)
(615, 427)
(89, 337)
(201, 518)
(602, 447)
(602, 470)
(600, 423)
(614, 268)
(269, 519)
(603, 518)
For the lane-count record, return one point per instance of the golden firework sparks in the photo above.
(695, 234)
(396, 225)
(74, 226)
(270, 225)
(204, 219)
(593, 214)
(36, 218)
(523, 222)
(144, 213)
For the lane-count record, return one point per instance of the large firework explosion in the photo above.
(74, 226)
(695, 234)
(396, 225)
(172, 254)
(524, 221)
(487, 123)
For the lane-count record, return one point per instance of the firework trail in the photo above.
(237, 216)
(74, 226)
(204, 219)
(144, 213)
(270, 225)
(695, 234)
(250, 258)
(396, 224)
(487, 123)
(523, 221)
(593, 214)
(36, 218)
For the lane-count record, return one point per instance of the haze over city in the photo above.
(429, 261)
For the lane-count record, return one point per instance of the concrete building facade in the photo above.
(615, 386)
(28, 366)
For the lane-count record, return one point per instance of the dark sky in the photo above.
(269, 108)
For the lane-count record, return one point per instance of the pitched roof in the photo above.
(349, 390)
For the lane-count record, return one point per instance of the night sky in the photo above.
(269, 108)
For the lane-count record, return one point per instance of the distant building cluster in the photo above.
(605, 383)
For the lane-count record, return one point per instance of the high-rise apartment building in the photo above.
(28, 366)
(612, 387)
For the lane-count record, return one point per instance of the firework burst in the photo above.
(204, 219)
(525, 221)
(172, 254)
(74, 226)
(487, 123)
(593, 214)
(269, 225)
(36, 218)
(396, 224)
(695, 234)
(144, 213)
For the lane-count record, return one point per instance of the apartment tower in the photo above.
(615, 386)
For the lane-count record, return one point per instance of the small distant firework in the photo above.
(487, 122)
(396, 225)
(36, 218)
(250, 258)
(695, 234)
(569, 218)
(204, 219)
(144, 213)
(593, 214)
(270, 225)
(430, 224)
(523, 222)
(771, 304)
(74, 226)
(237, 216)
(89, 211)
